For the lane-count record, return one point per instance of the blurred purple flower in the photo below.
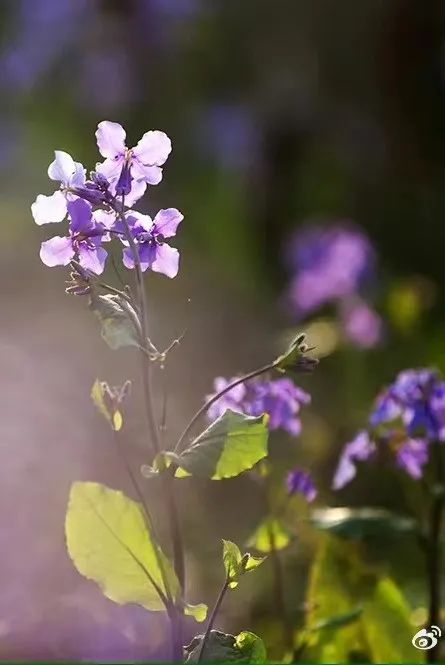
(328, 265)
(149, 236)
(300, 482)
(281, 399)
(141, 163)
(362, 325)
(70, 174)
(407, 418)
(228, 133)
(84, 241)
(358, 450)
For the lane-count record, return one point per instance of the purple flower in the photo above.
(281, 399)
(149, 237)
(412, 456)
(358, 450)
(362, 325)
(328, 264)
(70, 174)
(84, 241)
(123, 165)
(300, 482)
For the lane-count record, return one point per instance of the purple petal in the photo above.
(147, 254)
(300, 482)
(149, 174)
(57, 251)
(110, 138)
(412, 457)
(49, 209)
(153, 148)
(127, 258)
(138, 188)
(81, 216)
(92, 258)
(166, 260)
(167, 221)
(359, 449)
(110, 169)
(65, 170)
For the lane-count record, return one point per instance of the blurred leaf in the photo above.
(232, 444)
(109, 542)
(270, 530)
(118, 320)
(357, 523)
(224, 648)
(98, 395)
(387, 625)
(355, 615)
(294, 358)
(198, 612)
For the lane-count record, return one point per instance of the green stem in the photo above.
(213, 616)
(434, 552)
(215, 398)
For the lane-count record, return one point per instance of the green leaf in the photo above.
(232, 444)
(118, 319)
(236, 564)
(109, 542)
(98, 395)
(387, 625)
(271, 530)
(354, 615)
(225, 648)
(198, 612)
(358, 523)
(232, 558)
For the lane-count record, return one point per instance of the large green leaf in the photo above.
(224, 648)
(109, 542)
(358, 523)
(270, 531)
(232, 444)
(353, 613)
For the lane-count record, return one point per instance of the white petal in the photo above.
(62, 168)
(110, 138)
(48, 209)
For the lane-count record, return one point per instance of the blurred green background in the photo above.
(279, 113)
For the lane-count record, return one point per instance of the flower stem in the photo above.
(434, 551)
(215, 398)
(212, 617)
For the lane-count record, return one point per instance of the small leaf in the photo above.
(358, 523)
(198, 612)
(109, 542)
(271, 530)
(100, 396)
(225, 648)
(338, 620)
(253, 562)
(232, 558)
(294, 358)
(232, 444)
(118, 320)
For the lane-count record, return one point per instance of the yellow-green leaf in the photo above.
(114, 417)
(232, 558)
(270, 532)
(198, 612)
(109, 542)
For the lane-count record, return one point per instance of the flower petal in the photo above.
(92, 258)
(166, 260)
(80, 214)
(62, 168)
(110, 138)
(153, 148)
(57, 251)
(167, 221)
(49, 209)
(149, 174)
(111, 169)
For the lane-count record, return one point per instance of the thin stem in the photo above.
(279, 594)
(215, 398)
(176, 634)
(434, 552)
(167, 480)
(212, 617)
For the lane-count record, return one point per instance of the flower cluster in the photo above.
(281, 399)
(99, 208)
(407, 418)
(332, 265)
